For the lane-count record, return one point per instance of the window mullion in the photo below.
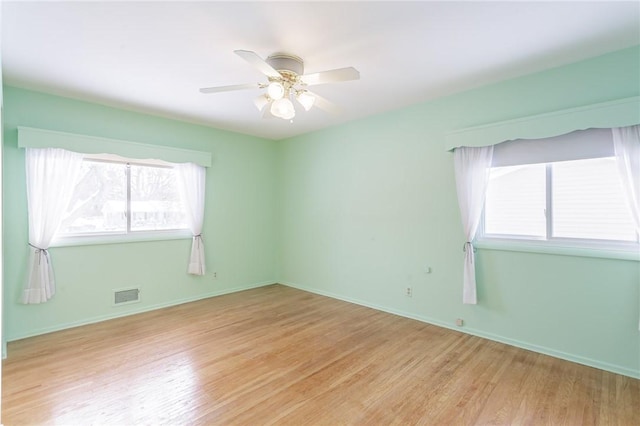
(128, 174)
(549, 204)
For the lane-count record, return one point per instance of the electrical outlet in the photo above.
(215, 275)
(459, 322)
(408, 292)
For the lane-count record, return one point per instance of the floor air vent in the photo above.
(124, 296)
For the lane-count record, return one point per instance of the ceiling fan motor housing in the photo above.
(286, 64)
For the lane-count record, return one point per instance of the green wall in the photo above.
(368, 206)
(239, 227)
(357, 212)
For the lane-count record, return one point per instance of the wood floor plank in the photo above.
(276, 355)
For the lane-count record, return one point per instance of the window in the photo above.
(122, 198)
(570, 199)
(516, 201)
(588, 201)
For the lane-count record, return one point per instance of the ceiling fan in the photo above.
(287, 81)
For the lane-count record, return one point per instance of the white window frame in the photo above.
(556, 245)
(128, 235)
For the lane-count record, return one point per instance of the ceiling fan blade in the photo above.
(229, 88)
(331, 76)
(258, 62)
(325, 104)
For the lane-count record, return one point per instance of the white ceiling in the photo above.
(154, 56)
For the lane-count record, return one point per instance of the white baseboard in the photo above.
(101, 318)
(479, 333)
(474, 332)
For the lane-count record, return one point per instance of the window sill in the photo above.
(122, 238)
(546, 247)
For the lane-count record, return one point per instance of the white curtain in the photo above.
(191, 181)
(52, 174)
(626, 145)
(472, 167)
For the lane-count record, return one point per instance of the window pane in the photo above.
(99, 201)
(588, 201)
(155, 201)
(516, 201)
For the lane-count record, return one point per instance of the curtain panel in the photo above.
(191, 186)
(472, 167)
(52, 174)
(626, 145)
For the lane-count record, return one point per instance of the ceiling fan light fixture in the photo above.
(275, 90)
(283, 108)
(306, 99)
(286, 80)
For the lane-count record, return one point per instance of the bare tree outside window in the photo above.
(155, 201)
(100, 205)
(99, 201)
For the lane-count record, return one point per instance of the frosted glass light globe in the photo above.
(275, 90)
(283, 108)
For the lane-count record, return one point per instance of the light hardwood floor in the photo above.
(277, 355)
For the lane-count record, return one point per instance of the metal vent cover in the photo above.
(124, 296)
